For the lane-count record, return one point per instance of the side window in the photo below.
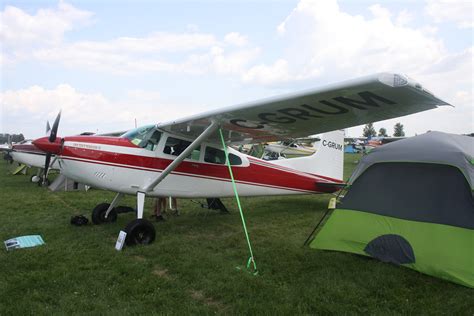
(217, 156)
(214, 155)
(175, 147)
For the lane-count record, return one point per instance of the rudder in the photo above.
(327, 161)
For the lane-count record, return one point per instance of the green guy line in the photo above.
(251, 259)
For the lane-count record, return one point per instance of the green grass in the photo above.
(192, 266)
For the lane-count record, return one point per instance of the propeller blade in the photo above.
(54, 130)
(48, 127)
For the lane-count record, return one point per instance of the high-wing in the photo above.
(350, 103)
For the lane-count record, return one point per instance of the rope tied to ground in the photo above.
(251, 261)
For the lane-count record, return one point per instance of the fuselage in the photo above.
(128, 164)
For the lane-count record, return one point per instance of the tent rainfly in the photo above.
(410, 203)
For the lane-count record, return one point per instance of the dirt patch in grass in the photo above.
(139, 258)
(208, 301)
(161, 272)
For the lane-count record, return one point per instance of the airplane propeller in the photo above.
(51, 139)
(54, 130)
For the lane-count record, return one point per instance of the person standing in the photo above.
(159, 208)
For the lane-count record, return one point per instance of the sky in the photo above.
(107, 64)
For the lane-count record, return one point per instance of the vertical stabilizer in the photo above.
(327, 161)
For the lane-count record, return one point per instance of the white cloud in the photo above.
(234, 62)
(91, 111)
(457, 11)
(190, 53)
(40, 37)
(276, 73)
(404, 17)
(323, 40)
(47, 26)
(236, 39)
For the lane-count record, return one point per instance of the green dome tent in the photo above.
(410, 203)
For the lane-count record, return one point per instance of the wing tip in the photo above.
(393, 80)
(397, 80)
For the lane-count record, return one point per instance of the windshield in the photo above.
(146, 136)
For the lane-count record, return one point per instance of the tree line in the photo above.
(14, 138)
(369, 130)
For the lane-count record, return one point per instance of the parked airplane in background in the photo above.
(289, 148)
(366, 144)
(187, 157)
(25, 153)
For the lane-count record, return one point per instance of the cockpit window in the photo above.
(214, 155)
(175, 147)
(145, 137)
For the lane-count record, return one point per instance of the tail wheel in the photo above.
(98, 214)
(140, 232)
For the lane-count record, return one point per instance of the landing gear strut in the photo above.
(99, 214)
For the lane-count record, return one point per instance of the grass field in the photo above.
(192, 266)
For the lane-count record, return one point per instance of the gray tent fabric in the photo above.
(391, 248)
(432, 147)
(423, 192)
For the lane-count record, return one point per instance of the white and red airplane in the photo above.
(26, 153)
(186, 158)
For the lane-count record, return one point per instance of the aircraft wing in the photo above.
(337, 106)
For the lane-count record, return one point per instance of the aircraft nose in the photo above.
(45, 145)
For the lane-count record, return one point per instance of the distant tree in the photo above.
(5, 138)
(369, 130)
(17, 138)
(382, 132)
(398, 130)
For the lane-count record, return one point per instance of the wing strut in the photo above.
(197, 142)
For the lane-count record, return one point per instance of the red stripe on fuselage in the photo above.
(253, 173)
(263, 173)
(186, 174)
(271, 165)
(28, 148)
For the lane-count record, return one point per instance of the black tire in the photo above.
(140, 232)
(124, 209)
(98, 214)
(43, 184)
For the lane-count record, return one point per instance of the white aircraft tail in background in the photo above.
(327, 161)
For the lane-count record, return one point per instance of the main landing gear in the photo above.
(139, 231)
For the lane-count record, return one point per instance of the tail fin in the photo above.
(327, 161)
